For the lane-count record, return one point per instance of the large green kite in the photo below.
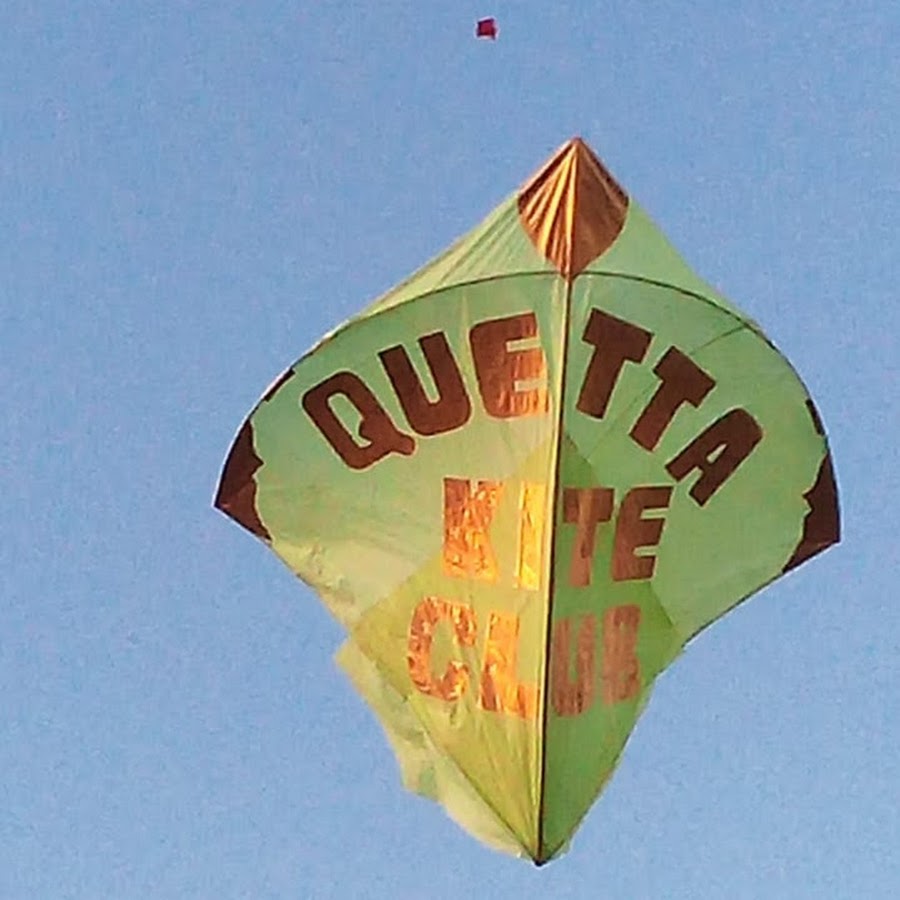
(523, 480)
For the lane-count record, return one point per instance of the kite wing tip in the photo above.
(822, 525)
(236, 493)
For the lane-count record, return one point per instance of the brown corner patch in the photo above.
(573, 209)
(822, 526)
(236, 496)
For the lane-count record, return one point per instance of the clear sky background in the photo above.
(190, 195)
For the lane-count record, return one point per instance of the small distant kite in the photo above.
(486, 28)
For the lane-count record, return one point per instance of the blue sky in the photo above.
(190, 195)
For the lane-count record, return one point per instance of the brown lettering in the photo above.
(717, 452)
(452, 407)
(570, 698)
(585, 507)
(615, 341)
(375, 426)
(621, 669)
(503, 374)
(634, 532)
(681, 381)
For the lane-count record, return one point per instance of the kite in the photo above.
(486, 28)
(523, 480)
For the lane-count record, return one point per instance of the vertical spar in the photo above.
(572, 210)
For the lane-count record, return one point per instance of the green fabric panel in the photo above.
(583, 748)
(497, 751)
(371, 542)
(642, 251)
(496, 248)
(709, 557)
(389, 514)
(424, 768)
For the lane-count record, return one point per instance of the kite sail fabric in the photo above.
(523, 480)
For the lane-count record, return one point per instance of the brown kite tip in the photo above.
(573, 209)
(236, 496)
(822, 525)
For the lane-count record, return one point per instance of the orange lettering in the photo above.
(501, 691)
(468, 514)
(532, 516)
(452, 684)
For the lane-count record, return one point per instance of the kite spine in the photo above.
(541, 856)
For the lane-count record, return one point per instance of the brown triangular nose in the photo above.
(573, 209)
